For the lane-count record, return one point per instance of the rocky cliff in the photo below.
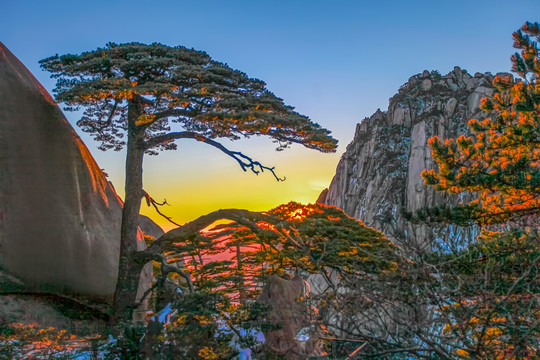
(59, 216)
(378, 176)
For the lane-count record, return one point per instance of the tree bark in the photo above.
(130, 267)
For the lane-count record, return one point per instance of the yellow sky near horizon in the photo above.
(197, 179)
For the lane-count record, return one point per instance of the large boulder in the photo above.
(59, 217)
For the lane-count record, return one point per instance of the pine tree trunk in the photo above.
(241, 288)
(129, 271)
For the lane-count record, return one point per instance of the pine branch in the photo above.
(245, 162)
(191, 229)
(166, 268)
(151, 202)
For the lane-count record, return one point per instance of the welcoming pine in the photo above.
(155, 94)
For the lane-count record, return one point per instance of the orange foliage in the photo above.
(34, 342)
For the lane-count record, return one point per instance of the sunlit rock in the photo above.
(378, 176)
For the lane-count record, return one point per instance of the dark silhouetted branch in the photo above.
(151, 202)
(191, 229)
(245, 162)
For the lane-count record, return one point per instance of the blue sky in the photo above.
(335, 61)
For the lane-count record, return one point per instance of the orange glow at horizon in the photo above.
(208, 180)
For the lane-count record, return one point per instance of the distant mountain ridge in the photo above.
(378, 176)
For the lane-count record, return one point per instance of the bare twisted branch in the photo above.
(246, 163)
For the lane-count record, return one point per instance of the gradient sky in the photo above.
(335, 61)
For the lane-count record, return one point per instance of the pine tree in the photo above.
(501, 163)
(146, 97)
(485, 295)
(225, 267)
(288, 241)
(479, 300)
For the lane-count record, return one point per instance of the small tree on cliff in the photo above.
(145, 97)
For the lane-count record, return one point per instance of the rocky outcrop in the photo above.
(378, 176)
(59, 216)
(149, 227)
(292, 334)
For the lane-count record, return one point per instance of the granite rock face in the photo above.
(59, 217)
(293, 337)
(378, 176)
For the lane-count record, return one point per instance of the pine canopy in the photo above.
(174, 89)
(502, 162)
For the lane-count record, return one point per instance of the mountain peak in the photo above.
(378, 176)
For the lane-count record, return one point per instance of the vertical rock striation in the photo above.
(378, 176)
